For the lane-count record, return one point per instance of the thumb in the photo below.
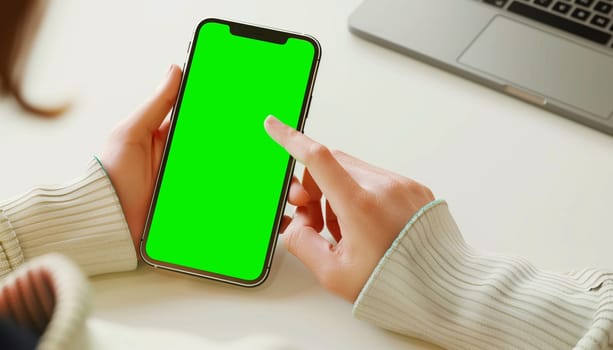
(152, 113)
(314, 251)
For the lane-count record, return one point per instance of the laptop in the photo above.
(555, 54)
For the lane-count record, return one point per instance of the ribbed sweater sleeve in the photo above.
(48, 295)
(431, 285)
(82, 220)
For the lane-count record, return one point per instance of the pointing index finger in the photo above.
(336, 184)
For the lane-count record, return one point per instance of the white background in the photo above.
(519, 180)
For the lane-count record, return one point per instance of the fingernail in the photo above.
(272, 120)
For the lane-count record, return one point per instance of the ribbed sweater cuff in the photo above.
(431, 285)
(51, 294)
(82, 220)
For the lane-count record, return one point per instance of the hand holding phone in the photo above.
(236, 75)
(133, 152)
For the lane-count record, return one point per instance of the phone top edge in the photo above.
(290, 33)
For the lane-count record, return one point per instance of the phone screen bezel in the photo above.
(259, 33)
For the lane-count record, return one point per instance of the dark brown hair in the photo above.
(19, 21)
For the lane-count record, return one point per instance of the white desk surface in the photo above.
(519, 180)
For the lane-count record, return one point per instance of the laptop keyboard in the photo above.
(589, 19)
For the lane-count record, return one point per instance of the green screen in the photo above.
(223, 178)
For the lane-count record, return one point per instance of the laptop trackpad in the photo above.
(551, 66)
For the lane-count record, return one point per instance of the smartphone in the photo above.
(223, 182)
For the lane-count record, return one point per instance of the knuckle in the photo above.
(292, 133)
(317, 151)
(364, 201)
(420, 190)
(293, 238)
(415, 190)
(167, 100)
(397, 185)
(337, 154)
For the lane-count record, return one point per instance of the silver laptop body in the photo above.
(508, 47)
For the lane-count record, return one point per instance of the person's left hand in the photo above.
(134, 150)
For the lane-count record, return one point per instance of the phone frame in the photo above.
(259, 33)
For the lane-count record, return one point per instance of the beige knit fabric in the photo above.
(433, 286)
(51, 278)
(82, 220)
(430, 284)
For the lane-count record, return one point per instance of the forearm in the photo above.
(433, 286)
(82, 220)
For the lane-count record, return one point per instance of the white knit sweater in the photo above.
(433, 286)
(82, 220)
(430, 284)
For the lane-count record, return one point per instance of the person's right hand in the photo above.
(366, 208)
